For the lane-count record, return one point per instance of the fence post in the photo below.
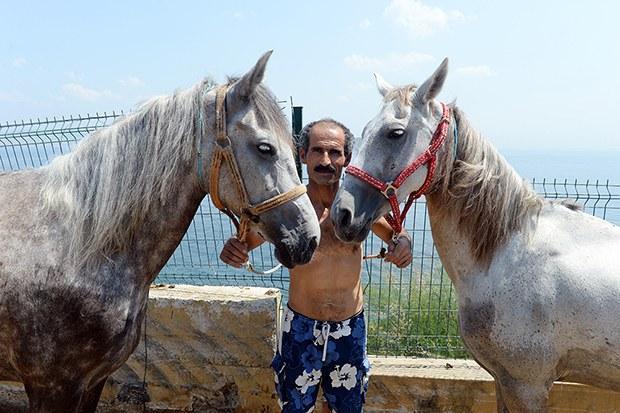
(297, 125)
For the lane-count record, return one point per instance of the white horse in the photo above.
(82, 239)
(538, 283)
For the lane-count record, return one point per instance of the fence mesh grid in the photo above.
(410, 312)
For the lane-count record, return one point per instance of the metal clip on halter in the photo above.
(381, 254)
(390, 190)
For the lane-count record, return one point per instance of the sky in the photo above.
(530, 75)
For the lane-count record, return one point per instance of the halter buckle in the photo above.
(390, 190)
(223, 142)
(250, 216)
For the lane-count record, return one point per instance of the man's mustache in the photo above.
(325, 169)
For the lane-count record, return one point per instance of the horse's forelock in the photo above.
(401, 94)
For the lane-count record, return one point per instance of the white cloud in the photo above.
(73, 77)
(85, 93)
(394, 62)
(363, 86)
(11, 96)
(475, 71)
(131, 81)
(19, 62)
(364, 24)
(418, 19)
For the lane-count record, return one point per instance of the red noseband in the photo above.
(390, 189)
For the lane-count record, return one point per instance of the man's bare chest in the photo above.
(330, 244)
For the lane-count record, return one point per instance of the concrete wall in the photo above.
(209, 350)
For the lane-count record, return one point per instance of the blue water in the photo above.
(580, 176)
(566, 164)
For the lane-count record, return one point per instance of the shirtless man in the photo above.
(323, 337)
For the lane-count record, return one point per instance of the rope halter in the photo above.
(390, 189)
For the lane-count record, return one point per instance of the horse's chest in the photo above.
(69, 326)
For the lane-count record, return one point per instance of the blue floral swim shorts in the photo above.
(329, 353)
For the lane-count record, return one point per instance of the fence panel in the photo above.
(410, 312)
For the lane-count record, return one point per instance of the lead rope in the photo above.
(146, 358)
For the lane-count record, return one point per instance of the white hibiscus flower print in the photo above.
(286, 323)
(307, 380)
(345, 376)
(343, 330)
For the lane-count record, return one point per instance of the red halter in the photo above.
(390, 189)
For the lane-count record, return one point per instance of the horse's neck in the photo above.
(453, 246)
(170, 219)
(477, 203)
(167, 221)
(165, 226)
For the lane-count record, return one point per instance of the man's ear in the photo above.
(302, 155)
(348, 160)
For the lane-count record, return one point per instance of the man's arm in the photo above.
(398, 253)
(236, 253)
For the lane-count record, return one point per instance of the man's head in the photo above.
(325, 146)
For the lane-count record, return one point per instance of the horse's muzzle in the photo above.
(298, 253)
(354, 211)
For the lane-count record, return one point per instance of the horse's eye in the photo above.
(396, 133)
(265, 149)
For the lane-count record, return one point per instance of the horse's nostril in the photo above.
(345, 218)
(312, 244)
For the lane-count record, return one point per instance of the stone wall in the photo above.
(209, 350)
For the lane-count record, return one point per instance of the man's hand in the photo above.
(234, 253)
(399, 252)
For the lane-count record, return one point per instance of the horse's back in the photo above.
(30, 239)
(578, 248)
(552, 296)
(575, 257)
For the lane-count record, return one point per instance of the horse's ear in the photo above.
(383, 86)
(246, 85)
(432, 86)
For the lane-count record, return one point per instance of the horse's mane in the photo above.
(104, 188)
(487, 195)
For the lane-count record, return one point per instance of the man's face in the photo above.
(325, 157)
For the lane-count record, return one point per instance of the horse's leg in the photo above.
(520, 397)
(90, 399)
(54, 398)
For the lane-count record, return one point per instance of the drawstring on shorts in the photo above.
(325, 333)
(325, 330)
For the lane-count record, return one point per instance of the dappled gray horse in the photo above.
(82, 239)
(538, 283)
